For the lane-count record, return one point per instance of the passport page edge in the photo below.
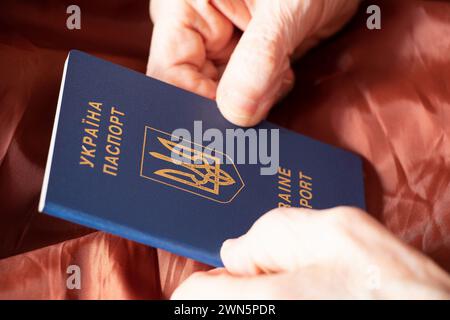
(48, 165)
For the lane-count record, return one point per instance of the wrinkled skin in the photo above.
(340, 253)
(195, 46)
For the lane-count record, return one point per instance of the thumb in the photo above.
(273, 244)
(287, 239)
(259, 69)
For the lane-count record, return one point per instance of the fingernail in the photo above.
(226, 253)
(237, 107)
(228, 244)
(227, 249)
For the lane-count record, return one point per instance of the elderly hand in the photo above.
(338, 253)
(197, 45)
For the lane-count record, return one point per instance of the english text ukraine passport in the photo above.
(116, 164)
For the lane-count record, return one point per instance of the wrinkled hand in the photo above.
(196, 45)
(305, 254)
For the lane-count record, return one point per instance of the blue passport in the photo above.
(139, 158)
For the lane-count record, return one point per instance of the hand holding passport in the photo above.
(339, 253)
(110, 168)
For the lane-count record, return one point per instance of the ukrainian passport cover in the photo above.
(111, 164)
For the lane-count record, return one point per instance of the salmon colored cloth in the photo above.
(383, 94)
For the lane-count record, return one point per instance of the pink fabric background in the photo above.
(382, 94)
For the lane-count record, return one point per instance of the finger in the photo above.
(290, 238)
(256, 70)
(190, 78)
(183, 37)
(218, 284)
(325, 281)
(237, 11)
(322, 282)
(271, 245)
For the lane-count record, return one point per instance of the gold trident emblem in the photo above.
(201, 170)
